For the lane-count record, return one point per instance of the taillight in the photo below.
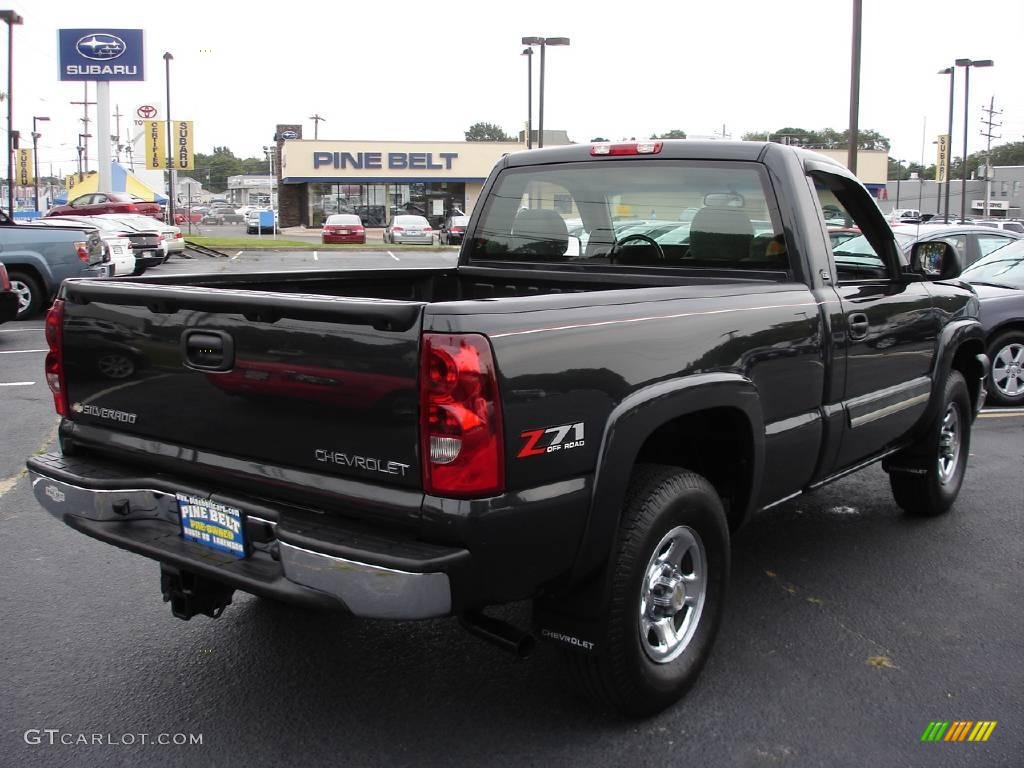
(177, 235)
(456, 230)
(460, 416)
(54, 330)
(398, 229)
(5, 281)
(638, 148)
(82, 249)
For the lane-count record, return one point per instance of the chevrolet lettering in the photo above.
(579, 413)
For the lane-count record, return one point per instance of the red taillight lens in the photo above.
(456, 230)
(82, 249)
(460, 416)
(54, 330)
(177, 236)
(398, 229)
(5, 281)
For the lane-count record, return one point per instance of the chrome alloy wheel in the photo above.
(672, 594)
(1008, 370)
(24, 293)
(950, 438)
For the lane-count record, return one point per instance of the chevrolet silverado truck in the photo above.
(38, 259)
(579, 421)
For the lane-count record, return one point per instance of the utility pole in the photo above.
(990, 123)
(85, 129)
(316, 124)
(117, 138)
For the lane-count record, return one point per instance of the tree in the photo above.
(486, 132)
(826, 138)
(675, 133)
(596, 139)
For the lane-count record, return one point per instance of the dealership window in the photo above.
(377, 204)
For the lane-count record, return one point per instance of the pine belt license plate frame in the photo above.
(212, 524)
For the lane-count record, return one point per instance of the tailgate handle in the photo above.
(208, 350)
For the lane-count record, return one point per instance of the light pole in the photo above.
(269, 150)
(528, 53)
(543, 42)
(316, 124)
(171, 191)
(967, 64)
(11, 18)
(35, 153)
(951, 71)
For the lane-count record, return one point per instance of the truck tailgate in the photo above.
(317, 382)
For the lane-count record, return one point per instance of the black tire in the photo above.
(30, 294)
(1006, 356)
(932, 490)
(623, 673)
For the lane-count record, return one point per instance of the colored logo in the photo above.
(146, 112)
(958, 730)
(100, 46)
(289, 135)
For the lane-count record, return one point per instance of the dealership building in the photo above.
(379, 179)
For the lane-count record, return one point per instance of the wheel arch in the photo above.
(961, 348)
(664, 423)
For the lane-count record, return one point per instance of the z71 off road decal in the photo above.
(538, 442)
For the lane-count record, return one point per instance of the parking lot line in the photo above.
(393, 256)
(21, 351)
(16, 383)
(21, 330)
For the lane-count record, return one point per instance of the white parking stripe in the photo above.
(20, 351)
(17, 383)
(22, 330)
(393, 256)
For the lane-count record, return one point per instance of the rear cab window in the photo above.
(649, 214)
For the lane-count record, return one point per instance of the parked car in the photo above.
(184, 217)
(118, 248)
(39, 258)
(343, 228)
(173, 240)
(219, 216)
(405, 228)
(452, 229)
(1012, 226)
(8, 298)
(254, 225)
(971, 241)
(998, 280)
(107, 202)
(147, 245)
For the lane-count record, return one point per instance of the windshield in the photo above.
(1003, 267)
(629, 213)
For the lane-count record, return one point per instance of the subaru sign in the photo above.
(101, 54)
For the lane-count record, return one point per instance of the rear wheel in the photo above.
(931, 489)
(667, 589)
(29, 293)
(1006, 374)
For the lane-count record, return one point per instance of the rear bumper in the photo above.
(285, 561)
(8, 306)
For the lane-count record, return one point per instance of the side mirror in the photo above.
(936, 260)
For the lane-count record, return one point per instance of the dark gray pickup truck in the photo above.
(576, 419)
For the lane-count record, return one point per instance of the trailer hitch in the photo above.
(190, 594)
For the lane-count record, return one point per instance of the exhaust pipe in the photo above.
(497, 632)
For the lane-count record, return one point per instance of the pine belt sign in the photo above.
(182, 154)
(101, 54)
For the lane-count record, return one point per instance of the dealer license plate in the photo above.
(212, 524)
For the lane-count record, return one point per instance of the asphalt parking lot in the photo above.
(849, 628)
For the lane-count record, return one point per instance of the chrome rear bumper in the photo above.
(146, 521)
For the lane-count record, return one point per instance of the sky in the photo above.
(406, 70)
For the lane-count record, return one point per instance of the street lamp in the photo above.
(951, 71)
(10, 18)
(967, 64)
(528, 53)
(172, 193)
(35, 153)
(543, 42)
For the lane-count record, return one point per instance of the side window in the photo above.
(846, 206)
(83, 200)
(989, 243)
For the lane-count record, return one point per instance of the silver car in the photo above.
(409, 229)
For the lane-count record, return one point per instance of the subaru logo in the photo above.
(100, 46)
(289, 135)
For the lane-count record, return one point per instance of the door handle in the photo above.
(208, 350)
(857, 325)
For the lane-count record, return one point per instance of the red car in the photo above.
(343, 228)
(96, 203)
(184, 217)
